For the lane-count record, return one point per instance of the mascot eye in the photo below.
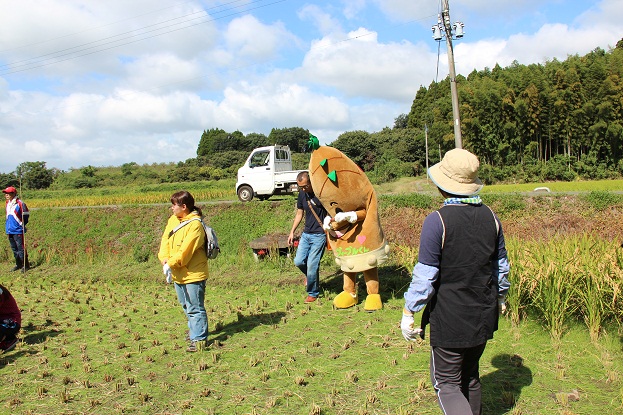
(333, 204)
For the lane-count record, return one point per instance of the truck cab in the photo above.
(267, 172)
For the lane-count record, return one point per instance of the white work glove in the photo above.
(167, 273)
(502, 304)
(351, 217)
(408, 331)
(326, 223)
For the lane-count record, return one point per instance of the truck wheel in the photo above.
(245, 193)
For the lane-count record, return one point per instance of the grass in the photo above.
(103, 334)
(95, 341)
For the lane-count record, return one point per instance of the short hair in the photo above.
(302, 176)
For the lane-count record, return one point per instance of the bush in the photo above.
(601, 200)
(557, 168)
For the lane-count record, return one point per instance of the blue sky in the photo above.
(87, 82)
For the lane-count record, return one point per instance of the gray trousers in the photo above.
(454, 374)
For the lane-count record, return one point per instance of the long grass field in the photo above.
(103, 333)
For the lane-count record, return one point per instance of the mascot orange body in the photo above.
(355, 233)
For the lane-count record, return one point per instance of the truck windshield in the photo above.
(259, 159)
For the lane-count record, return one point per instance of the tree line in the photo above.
(551, 121)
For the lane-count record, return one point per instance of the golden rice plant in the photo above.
(564, 279)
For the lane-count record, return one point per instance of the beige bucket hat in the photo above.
(457, 173)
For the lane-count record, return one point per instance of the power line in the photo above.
(347, 39)
(95, 28)
(32, 63)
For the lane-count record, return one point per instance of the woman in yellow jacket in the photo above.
(185, 262)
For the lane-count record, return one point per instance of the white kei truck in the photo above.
(267, 172)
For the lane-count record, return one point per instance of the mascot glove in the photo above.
(502, 304)
(167, 272)
(406, 325)
(351, 217)
(326, 223)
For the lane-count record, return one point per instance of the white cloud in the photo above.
(365, 67)
(323, 21)
(261, 107)
(353, 64)
(250, 38)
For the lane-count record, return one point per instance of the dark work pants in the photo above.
(17, 246)
(454, 374)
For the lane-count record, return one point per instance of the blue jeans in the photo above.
(191, 298)
(307, 259)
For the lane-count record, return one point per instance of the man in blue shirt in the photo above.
(461, 278)
(16, 219)
(313, 240)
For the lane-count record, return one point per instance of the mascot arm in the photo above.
(326, 223)
(351, 217)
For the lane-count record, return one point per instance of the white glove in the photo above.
(351, 217)
(167, 272)
(326, 223)
(406, 325)
(502, 304)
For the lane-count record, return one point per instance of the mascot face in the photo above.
(338, 182)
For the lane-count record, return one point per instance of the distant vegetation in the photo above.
(553, 121)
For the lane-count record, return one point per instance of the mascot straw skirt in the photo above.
(354, 228)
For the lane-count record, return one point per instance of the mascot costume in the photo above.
(353, 225)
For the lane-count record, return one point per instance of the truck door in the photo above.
(261, 171)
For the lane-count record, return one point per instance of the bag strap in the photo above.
(181, 225)
(314, 212)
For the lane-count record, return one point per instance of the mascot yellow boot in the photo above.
(355, 234)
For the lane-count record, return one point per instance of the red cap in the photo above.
(9, 189)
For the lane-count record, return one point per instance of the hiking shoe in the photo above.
(310, 299)
(8, 345)
(15, 268)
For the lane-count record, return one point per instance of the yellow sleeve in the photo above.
(164, 251)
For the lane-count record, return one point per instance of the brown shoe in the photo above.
(310, 299)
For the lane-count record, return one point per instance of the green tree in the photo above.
(35, 175)
(211, 141)
(294, 137)
(128, 168)
(358, 146)
(8, 179)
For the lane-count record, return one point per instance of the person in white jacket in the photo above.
(17, 215)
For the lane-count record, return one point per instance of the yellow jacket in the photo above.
(184, 250)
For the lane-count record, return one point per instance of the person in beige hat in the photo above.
(460, 281)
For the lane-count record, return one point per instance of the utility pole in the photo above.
(426, 141)
(443, 27)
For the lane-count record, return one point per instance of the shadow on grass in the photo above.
(247, 323)
(501, 389)
(32, 334)
(393, 282)
(29, 334)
